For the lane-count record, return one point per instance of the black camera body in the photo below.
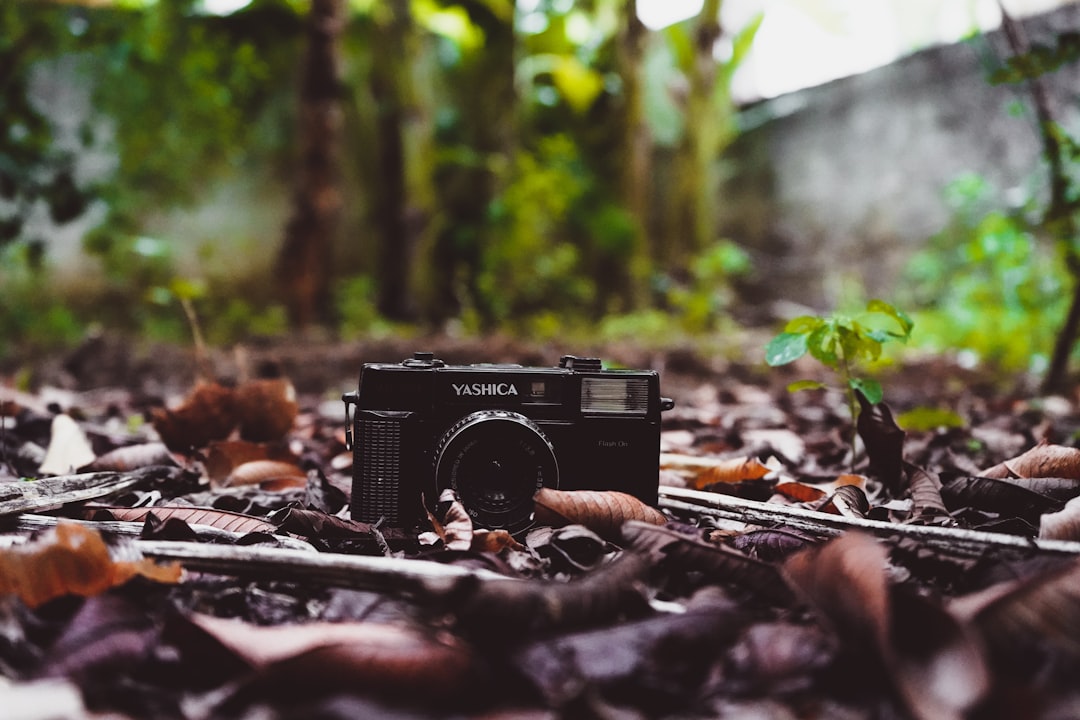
(498, 433)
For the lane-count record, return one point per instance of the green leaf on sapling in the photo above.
(785, 348)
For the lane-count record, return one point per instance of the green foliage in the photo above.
(354, 301)
(31, 319)
(985, 284)
(927, 419)
(533, 267)
(841, 343)
(1039, 60)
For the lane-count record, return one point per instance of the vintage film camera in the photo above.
(496, 434)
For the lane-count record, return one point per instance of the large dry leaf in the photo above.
(568, 667)
(1040, 611)
(932, 660)
(324, 658)
(997, 496)
(602, 511)
(133, 457)
(701, 472)
(69, 448)
(71, 560)
(220, 519)
(1042, 461)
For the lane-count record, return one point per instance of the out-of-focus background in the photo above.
(653, 171)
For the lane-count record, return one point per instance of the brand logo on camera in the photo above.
(490, 389)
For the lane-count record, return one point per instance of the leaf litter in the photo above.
(962, 603)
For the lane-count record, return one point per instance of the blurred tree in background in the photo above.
(451, 160)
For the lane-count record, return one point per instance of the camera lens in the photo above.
(496, 461)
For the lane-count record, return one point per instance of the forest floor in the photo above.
(931, 575)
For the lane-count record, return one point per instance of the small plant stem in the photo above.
(202, 358)
(853, 404)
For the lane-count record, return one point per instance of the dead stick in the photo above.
(760, 513)
(48, 493)
(134, 529)
(353, 571)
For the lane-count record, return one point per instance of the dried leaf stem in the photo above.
(958, 540)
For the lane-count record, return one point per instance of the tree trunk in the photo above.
(467, 180)
(637, 153)
(391, 90)
(691, 222)
(304, 262)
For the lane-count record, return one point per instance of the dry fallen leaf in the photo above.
(70, 560)
(69, 448)
(321, 656)
(701, 471)
(220, 519)
(282, 474)
(1042, 461)
(602, 511)
(455, 527)
(223, 456)
(266, 409)
(932, 659)
(1061, 525)
(208, 413)
(133, 457)
(1028, 615)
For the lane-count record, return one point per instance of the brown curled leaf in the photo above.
(70, 560)
(602, 511)
(224, 456)
(700, 472)
(1042, 461)
(681, 554)
(884, 442)
(260, 472)
(455, 526)
(208, 413)
(266, 409)
(1062, 525)
(799, 492)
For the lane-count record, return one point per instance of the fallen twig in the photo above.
(135, 529)
(759, 513)
(353, 571)
(50, 493)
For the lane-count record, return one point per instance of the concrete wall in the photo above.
(846, 179)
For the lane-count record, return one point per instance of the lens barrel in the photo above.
(496, 460)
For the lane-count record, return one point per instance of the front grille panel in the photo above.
(377, 459)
